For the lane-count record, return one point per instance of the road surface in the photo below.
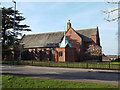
(109, 77)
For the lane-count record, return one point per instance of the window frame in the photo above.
(60, 54)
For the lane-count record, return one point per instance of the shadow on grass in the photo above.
(72, 75)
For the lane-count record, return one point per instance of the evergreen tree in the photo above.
(10, 36)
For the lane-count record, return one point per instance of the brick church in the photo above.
(67, 46)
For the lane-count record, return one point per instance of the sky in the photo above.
(45, 17)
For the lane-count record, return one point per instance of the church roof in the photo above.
(42, 40)
(87, 33)
(53, 39)
(65, 42)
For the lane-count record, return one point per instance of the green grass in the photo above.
(11, 81)
(94, 65)
(115, 62)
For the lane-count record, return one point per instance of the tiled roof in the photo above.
(42, 40)
(87, 33)
(53, 39)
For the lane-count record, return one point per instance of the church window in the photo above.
(36, 50)
(60, 54)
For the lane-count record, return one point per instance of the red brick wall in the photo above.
(70, 55)
(94, 38)
(34, 54)
(73, 38)
(76, 42)
(45, 55)
(59, 58)
(55, 53)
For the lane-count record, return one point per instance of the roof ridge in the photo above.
(87, 29)
(60, 31)
(46, 33)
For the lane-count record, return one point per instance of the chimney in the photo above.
(68, 25)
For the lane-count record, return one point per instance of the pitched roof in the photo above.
(53, 39)
(65, 42)
(42, 40)
(87, 33)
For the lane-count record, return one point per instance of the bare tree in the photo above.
(110, 13)
(93, 52)
(117, 18)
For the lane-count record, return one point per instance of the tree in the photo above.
(117, 18)
(9, 36)
(93, 52)
(112, 12)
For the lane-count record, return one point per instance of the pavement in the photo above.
(109, 77)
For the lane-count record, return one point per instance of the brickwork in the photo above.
(67, 54)
(61, 58)
(76, 42)
(73, 38)
(80, 41)
(94, 38)
(70, 55)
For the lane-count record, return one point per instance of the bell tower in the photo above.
(68, 25)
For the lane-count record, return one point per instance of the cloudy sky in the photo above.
(45, 17)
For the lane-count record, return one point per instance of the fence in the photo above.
(90, 65)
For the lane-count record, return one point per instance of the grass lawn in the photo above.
(115, 62)
(10, 81)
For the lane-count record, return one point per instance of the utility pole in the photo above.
(118, 31)
(14, 31)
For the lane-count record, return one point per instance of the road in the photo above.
(109, 77)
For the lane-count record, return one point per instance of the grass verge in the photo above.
(93, 65)
(11, 81)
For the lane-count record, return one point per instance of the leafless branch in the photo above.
(111, 11)
(114, 19)
(112, 2)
